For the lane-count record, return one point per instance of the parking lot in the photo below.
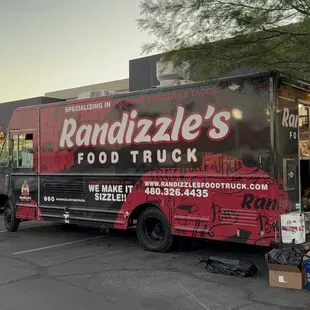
(54, 267)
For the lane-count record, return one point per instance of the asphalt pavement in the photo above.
(52, 267)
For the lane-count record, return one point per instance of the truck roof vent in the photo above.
(170, 75)
(96, 94)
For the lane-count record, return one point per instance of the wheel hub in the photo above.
(154, 230)
(158, 229)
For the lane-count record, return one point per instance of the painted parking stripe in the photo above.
(57, 245)
(27, 227)
(192, 296)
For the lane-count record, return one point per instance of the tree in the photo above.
(225, 35)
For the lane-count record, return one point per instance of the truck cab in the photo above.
(18, 165)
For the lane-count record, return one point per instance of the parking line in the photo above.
(27, 227)
(192, 296)
(57, 245)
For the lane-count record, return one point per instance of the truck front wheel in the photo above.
(154, 230)
(9, 215)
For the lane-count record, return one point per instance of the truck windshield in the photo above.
(4, 155)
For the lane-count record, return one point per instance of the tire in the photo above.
(9, 216)
(153, 225)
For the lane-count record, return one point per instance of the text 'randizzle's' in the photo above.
(133, 129)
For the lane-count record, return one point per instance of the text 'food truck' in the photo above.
(224, 160)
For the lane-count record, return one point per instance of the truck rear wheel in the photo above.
(154, 230)
(9, 215)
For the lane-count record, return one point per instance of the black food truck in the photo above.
(222, 160)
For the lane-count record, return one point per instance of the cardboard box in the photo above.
(286, 276)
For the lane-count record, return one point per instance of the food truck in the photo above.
(225, 160)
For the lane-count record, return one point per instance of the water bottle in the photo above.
(307, 269)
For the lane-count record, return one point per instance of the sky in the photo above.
(53, 45)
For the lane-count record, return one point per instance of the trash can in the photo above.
(307, 268)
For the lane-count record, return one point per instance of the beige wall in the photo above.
(121, 86)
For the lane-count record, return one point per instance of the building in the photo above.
(142, 75)
(142, 72)
(7, 108)
(121, 86)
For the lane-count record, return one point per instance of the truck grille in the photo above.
(65, 189)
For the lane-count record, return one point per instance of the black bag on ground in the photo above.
(291, 256)
(230, 266)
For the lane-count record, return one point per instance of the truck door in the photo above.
(24, 172)
(4, 169)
